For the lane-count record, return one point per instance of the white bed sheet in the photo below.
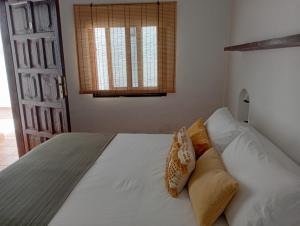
(125, 187)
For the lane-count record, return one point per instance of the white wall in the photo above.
(203, 29)
(4, 93)
(272, 77)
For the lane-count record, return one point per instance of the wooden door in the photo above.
(34, 31)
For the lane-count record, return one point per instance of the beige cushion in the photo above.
(180, 162)
(210, 188)
(199, 137)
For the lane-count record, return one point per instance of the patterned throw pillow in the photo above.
(199, 137)
(180, 162)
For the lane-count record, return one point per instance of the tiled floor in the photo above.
(8, 145)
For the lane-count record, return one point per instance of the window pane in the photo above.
(101, 55)
(149, 39)
(118, 55)
(134, 63)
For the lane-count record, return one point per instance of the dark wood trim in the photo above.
(125, 3)
(276, 43)
(95, 95)
(11, 79)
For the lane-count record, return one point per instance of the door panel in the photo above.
(42, 16)
(50, 53)
(20, 17)
(45, 119)
(22, 53)
(30, 120)
(59, 125)
(50, 87)
(32, 141)
(36, 53)
(39, 69)
(29, 87)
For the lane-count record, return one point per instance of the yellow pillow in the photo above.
(180, 162)
(199, 137)
(210, 188)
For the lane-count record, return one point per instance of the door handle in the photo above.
(30, 26)
(62, 87)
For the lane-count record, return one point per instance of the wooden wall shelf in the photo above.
(276, 43)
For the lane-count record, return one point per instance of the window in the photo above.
(126, 49)
(149, 48)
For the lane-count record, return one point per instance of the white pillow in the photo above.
(269, 194)
(222, 128)
(273, 150)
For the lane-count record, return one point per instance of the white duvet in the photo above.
(125, 187)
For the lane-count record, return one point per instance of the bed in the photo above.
(124, 185)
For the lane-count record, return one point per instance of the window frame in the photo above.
(130, 90)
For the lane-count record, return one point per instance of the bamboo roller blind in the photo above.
(126, 48)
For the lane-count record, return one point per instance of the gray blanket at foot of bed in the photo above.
(34, 188)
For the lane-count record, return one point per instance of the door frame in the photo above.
(11, 79)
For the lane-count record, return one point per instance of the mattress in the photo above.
(125, 187)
